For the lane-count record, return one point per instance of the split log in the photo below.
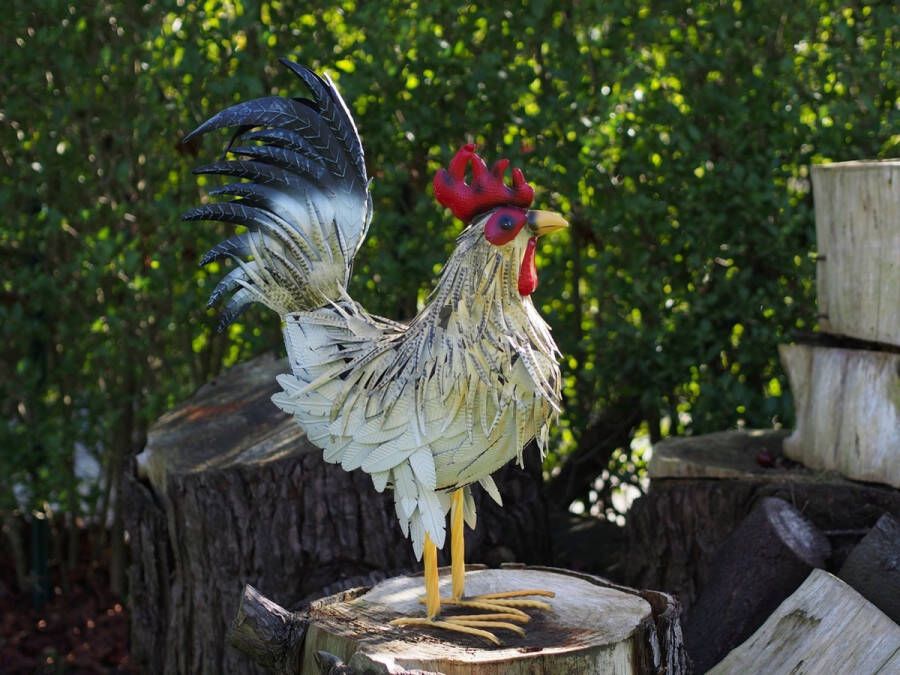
(229, 492)
(873, 567)
(268, 633)
(857, 208)
(824, 627)
(594, 627)
(848, 415)
(702, 487)
(760, 564)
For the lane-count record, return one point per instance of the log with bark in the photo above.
(702, 487)
(229, 492)
(873, 567)
(594, 627)
(824, 627)
(760, 564)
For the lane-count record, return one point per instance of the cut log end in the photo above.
(592, 628)
(795, 532)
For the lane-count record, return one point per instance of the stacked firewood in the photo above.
(782, 548)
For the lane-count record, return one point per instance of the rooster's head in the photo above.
(500, 210)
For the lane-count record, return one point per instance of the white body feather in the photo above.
(434, 406)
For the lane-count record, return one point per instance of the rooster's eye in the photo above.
(503, 226)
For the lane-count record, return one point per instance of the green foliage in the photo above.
(675, 136)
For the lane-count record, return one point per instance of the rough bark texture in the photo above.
(268, 633)
(858, 234)
(824, 627)
(760, 564)
(229, 492)
(674, 531)
(873, 567)
(848, 410)
(595, 627)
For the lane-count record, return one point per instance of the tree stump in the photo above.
(594, 627)
(229, 492)
(702, 487)
(824, 627)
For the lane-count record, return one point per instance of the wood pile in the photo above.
(742, 526)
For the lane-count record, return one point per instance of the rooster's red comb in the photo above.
(487, 189)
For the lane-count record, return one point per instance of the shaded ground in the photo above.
(82, 631)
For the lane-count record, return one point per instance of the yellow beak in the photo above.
(545, 222)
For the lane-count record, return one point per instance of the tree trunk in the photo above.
(229, 492)
(858, 232)
(15, 537)
(594, 627)
(848, 410)
(702, 487)
(824, 627)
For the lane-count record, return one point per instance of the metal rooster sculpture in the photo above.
(429, 408)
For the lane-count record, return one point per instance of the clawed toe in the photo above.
(486, 606)
(468, 626)
(515, 600)
(516, 604)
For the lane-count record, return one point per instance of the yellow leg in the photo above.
(457, 545)
(432, 592)
(511, 601)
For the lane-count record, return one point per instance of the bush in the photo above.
(676, 136)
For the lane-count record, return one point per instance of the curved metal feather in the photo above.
(335, 112)
(231, 281)
(304, 196)
(282, 138)
(284, 158)
(236, 246)
(258, 172)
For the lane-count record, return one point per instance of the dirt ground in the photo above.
(84, 630)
